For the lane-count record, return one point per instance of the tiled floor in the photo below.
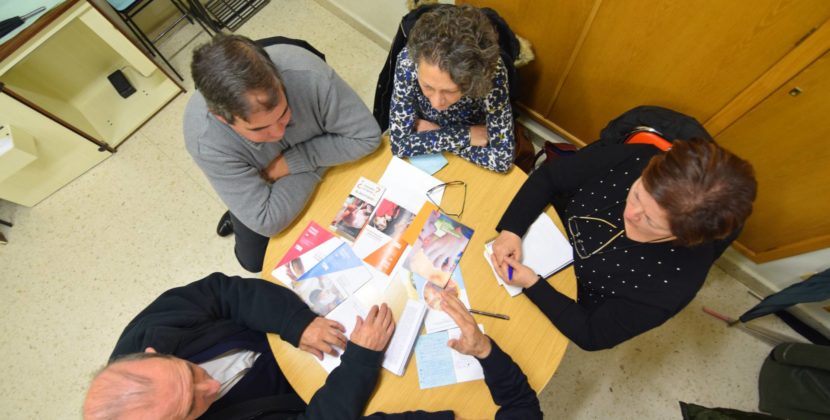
(83, 262)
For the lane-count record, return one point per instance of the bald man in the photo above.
(199, 351)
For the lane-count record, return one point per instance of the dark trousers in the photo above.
(250, 246)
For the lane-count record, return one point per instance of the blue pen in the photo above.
(509, 273)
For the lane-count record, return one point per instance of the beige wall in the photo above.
(377, 19)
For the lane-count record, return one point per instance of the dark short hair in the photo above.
(461, 41)
(228, 67)
(706, 191)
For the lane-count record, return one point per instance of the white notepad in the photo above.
(544, 249)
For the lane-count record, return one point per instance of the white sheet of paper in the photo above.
(467, 368)
(402, 177)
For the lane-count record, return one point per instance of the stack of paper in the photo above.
(544, 249)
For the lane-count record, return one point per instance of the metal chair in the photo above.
(128, 9)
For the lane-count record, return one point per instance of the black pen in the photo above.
(499, 316)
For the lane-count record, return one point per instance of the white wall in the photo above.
(378, 19)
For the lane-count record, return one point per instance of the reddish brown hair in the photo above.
(706, 191)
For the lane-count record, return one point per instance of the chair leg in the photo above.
(137, 32)
(150, 45)
(3, 222)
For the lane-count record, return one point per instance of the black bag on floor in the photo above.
(795, 382)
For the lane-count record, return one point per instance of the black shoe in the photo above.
(225, 226)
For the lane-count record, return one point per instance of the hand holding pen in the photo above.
(518, 274)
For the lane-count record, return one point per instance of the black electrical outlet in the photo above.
(121, 84)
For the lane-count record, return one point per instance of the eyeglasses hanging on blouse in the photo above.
(579, 243)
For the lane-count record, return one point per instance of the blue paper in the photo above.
(429, 163)
(434, 360)
(343, 258)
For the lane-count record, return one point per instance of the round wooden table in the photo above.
(529, 337)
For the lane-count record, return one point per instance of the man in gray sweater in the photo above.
(264, 125)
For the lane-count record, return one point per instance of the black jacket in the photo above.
(187, 320)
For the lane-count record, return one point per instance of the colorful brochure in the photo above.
(357, 208)
(339, 275)
(418, 288)
(380, 244)
(314, 244)
(438, 247)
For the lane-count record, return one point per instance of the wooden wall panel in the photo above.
(692, 56)
(553, 28)
(787, 139)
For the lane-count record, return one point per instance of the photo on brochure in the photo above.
(321, 294)
(438, 249)
(352, 217)
(358, 207)
(391, 219)
(418, 288)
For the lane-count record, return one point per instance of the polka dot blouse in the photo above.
(626, 288)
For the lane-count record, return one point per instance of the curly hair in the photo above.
(227, 68)
(706, 191)
(461, 41)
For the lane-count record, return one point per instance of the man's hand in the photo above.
(478, 135)
(424, 125)
(374, 333)
(472, 341)
(275, 170)
(322, 336)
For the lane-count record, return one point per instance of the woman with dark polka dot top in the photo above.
(645, 226)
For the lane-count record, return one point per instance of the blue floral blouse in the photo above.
(494, 110)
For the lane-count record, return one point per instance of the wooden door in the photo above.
(787, 139)
(597, 59)
(691, 56)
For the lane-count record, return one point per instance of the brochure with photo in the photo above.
(380, 244)
(418, 288)
(438, 247)
(314, 245)
(321, 294)
(355, 212)
(343, 267)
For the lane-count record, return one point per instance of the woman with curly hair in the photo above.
(451, 91)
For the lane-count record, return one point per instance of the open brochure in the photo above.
(380, 244)
(321, 269)
(544, 249)
(400, 346)
(406, 331)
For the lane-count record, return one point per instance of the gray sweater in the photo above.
(330, 125)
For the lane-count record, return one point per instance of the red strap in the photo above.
(645, 137)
